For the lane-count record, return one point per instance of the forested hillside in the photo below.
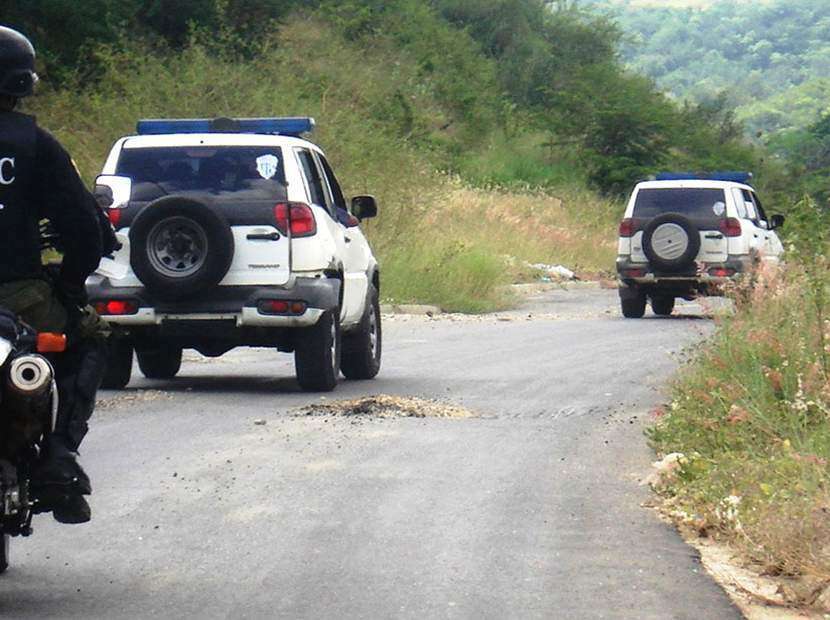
(501, 73)
(771, 58)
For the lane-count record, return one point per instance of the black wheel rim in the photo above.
(177, 247)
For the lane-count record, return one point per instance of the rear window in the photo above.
(697, 203)
(252, 172)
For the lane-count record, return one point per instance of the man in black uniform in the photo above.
(38, 181)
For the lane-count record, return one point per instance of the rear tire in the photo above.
(162, 363)
(362, 349)
(119, 363)
(662, 306)
(634, 307)
(317, 355)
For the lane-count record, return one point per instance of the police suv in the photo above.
(685, 235)
(235, 232)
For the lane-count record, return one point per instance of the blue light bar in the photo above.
(733, 177)
(284, 126)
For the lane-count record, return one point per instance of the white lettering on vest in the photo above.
(7, 170)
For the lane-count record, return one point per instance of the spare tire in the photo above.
(671, 242)
(180, 247)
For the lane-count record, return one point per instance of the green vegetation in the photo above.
(770, 58)
(751, 414)
(808, 151)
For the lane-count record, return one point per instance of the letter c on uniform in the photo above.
(6, 163)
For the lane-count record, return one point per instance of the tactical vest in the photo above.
(19, 230)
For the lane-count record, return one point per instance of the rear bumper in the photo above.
(697, 280)
(225, 303)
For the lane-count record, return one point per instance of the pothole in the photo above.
(384, 406)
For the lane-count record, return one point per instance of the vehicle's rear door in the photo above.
(242, 183)
(704, 207)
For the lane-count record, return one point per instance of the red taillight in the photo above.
(115, 217)
(116, 307)
(721, 272)
(627, 227)
(301, 218)
(634, 273)
(731, 227)
(279, 306)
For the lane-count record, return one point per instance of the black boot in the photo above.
(58, 483)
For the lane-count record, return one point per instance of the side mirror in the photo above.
(113, 192)
(776, 221)
(364, 207)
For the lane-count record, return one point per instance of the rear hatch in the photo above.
(243, 183)
(704, 207)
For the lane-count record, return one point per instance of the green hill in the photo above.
(771, 58)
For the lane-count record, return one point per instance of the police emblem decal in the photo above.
(267, 166)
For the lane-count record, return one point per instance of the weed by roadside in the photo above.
(751, 415)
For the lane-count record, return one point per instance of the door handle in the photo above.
(348, 239)
(272, 236)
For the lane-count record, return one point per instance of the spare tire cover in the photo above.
(180, 247)
(671, 242)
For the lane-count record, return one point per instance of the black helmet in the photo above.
(17, 64)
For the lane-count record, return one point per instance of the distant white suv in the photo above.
(235, 232)
(685, 235)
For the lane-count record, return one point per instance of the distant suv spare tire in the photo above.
(671, 242)
(180, 247)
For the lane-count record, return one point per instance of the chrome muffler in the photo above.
(30, 376)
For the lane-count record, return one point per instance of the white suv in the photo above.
(684, 236)
(235, 232)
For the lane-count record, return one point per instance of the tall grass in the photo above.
(381, 123)
(752, 416)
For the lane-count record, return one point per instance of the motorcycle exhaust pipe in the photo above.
(30, 376)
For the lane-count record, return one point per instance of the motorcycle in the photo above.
(28, 410)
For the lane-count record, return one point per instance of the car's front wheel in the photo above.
(317, 354)
(162, 363)
(362, 348)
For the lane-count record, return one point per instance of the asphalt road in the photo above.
(530, 509)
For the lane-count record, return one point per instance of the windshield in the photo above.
(698, 203)
(239, 172)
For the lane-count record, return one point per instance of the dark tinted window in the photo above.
(691, 202)
(251, 172)
(759, 207)
(312, 175)
(336, 191)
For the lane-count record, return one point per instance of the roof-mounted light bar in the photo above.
(284, 126)
(733, 177)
